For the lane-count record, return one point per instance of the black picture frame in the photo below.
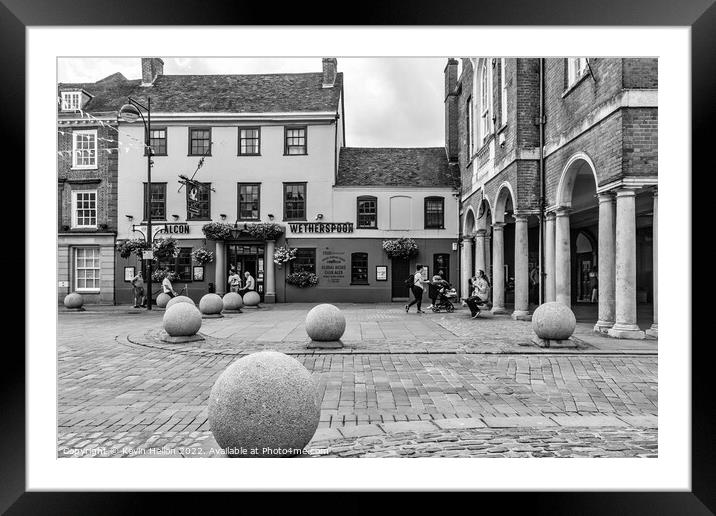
(197, 273)
(130, 269)
(700, 15)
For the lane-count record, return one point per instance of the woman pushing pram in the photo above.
(437, 290)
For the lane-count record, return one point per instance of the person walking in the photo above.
(479, 295)
(138, 285)
(417, 289)
(249, 285)
(167, 287)
(234, 281)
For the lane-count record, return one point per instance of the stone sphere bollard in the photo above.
(73, 300)
(182, 320)
(553, 321)
(267, 401)
(232, 301)
(163, 299)
(211, 304)
(180, 299)
(325, 323)
(252, 298)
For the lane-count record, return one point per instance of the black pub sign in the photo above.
(321, 227)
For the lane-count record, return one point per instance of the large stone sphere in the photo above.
(232, 301)
(553, 321)
(267, 401)
(211, 304)
(180, 299)
(252, 298)
(163, 299)
(325, 322)
(73, 300)
(182, 320)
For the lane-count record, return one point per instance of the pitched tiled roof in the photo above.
(272, 93)
(427, 166)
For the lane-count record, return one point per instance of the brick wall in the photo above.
(640, 141)
(640, 73)
(103, 178)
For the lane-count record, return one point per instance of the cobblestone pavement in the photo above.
(389, 393)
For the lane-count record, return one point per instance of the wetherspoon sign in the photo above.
(321, 227)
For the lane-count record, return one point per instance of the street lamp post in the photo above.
(130, 113)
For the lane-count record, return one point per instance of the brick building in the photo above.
(558, 163)
(87, 187)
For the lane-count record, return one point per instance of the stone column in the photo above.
(270, 279)
(522, 282)
(466, 268)
(488, 255)
(549, 286)
(498, 268)
(654, 330)
(479, 251)
(625, 326)
(220, 274)
(562, 257)
(606, 263)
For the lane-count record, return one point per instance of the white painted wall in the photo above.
(411, 210)
(224, 169)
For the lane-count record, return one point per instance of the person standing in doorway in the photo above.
(417, 289)
(250, 283)
(534, 284)
(594, 285)
(234, 281)
(138, 284)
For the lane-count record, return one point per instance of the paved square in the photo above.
(440, 378)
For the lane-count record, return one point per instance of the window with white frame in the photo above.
(576, 68)
(84, 149)
(87, 269)
(503, 92)
(84, 209)
(484, 100)
(70, 100)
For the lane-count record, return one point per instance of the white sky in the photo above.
(389, 102)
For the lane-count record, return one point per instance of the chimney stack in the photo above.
(152, 67)
(451, 135)
(330, 67)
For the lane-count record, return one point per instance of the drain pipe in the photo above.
(541, 182)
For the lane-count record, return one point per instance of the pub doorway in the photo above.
(401, 271)
(247, 257)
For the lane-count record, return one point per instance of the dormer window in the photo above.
(71, 100)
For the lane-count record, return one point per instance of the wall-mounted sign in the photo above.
(180, 228)
(198, 273)
(381, 272)
(321, 227)
(333, 266)
(63, 283)
(147, 255)
(129, 273)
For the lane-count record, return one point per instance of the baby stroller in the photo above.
(439, 292)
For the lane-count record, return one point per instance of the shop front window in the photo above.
(359, 268)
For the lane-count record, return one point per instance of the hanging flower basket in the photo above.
(165, 249)
(404, 248)
(126, 248)
(217, 230)
(265, 230)
(202, 256)
(283, 255)
(302, 279)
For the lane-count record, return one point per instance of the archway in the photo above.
(509, 254)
